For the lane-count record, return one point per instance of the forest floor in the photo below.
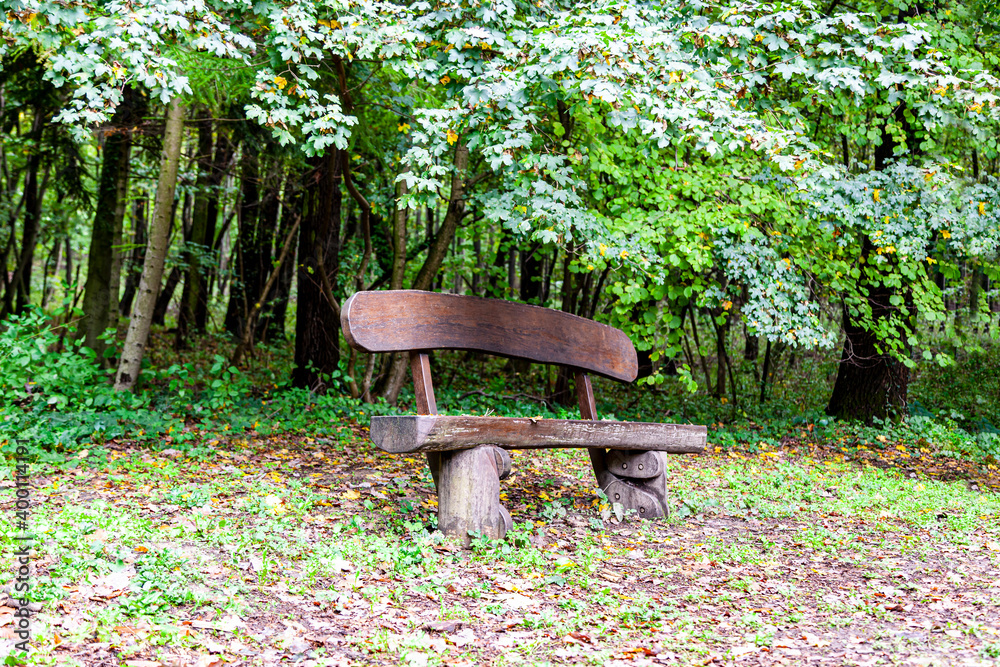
(293, 550)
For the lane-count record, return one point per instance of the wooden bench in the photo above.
(467, 454)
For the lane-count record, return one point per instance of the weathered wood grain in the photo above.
(635, 497)
(469, 495)
(423, 387)
(441, 433)
(635, 465)
(588, 410)
(405, 320)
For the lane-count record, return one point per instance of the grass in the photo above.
(298, 550)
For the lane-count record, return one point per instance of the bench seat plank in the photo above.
(441, 433)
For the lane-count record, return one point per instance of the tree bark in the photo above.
(870, 382)
(395, 376)
(196, 246)
(277, 306)
(245, 284)
(456, 208)
(137, 256)
(18, 292)
(98, 300)
(531, 274)
(317, 329)
(156, 254)
(224, 150)
(166, 295)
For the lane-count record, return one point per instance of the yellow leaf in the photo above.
(445, 79)
(981, 208)
(945, 234)
(281, 82)
(404, 128)
(353, 494)
(878, 195)
(452, 136)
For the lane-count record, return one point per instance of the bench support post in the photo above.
(467, 480)
(469, 494)
(634, 479)
(423, 394)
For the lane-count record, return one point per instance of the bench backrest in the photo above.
(407, 320)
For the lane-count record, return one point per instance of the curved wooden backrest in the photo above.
(404, 320)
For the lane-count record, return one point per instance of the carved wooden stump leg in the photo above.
(469, 493)
(640, 483)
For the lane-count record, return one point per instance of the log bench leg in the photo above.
(638, 481)
(468, 485)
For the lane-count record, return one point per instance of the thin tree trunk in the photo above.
(317, 330)
(152, 271)
(166, 295)
(456, 208)
(277, 306)
(137, 256)
(18, 290)
(395, 376)
(246, 343)
(196, 246)
(246, 250)
(99, 296)
(767, 372)
(224, 151)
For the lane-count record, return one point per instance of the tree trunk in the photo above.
(18, 292)
(456, 208)
(395, 376)
(870, 384)
(245, 284)
(137, 257)
(166, 295)
(531, 274)
(98, 300)
(156, 253)
(224, 149)
(277, 305)
(196, 247)
(266, 234)
(317, 328)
